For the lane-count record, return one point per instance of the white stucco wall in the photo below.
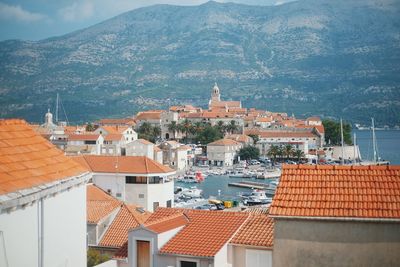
(221, 258)
(131, 192)
(64, 234)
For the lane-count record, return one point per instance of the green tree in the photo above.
(273, 152)
(332, 132)
(249, 152)
(186, 127)
(173, 127)
(298, 154)
(208, 134)
(255, 138)
(95, 258)
(149, 132)
(232, 127)
(90, 127)
(288, 151)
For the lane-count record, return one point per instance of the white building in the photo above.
(127, 132)
(223, 152)
(84, 144)
(42, 201)
(302, 140)
(198, 238)
(175, 154)
(132, 179)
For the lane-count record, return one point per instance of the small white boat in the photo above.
(192, 192)
(257, 197)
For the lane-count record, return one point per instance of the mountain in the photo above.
(311, 57)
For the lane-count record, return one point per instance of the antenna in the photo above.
(355, 145)
(373, 140)
(57, 109)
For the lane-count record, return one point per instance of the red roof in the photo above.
(281, 134)
(123, 164)
(99, 204)
(338, 191)
(257, 231)
(83, 137)
(127, 218)
(206, 234)
(224, 142)
(28, 160)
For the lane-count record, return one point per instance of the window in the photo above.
(155, 205)
(141, 195)
(90, 142)
(135, 180)
(155, 180)
(169, 203)
(188, 264)
(118, 195)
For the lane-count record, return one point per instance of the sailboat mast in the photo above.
(341, 136)
(355, 148)
(374, 140)
(57, 109)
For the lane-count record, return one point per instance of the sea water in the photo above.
(388, 144)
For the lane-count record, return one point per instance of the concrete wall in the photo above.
(329, 243)
(221, 258)
(64, 236)
(243, 256)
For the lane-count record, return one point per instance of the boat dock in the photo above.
(249, 185)
(254, 185)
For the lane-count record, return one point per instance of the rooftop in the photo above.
(99, 204)
(224, 142)
(123, 164)
(127, 218)
(28, 160)
(327, 191)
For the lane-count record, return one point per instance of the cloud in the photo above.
(17, 13)
(77, 11)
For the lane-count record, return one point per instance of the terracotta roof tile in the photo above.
(124, 164)
(224, 142)
(99, 204)
(167, 223)
(127, 218)
(206, 234)
(83, 137)
(256, 231)
(338, 191)
(28, 160)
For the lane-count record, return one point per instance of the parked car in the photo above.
(207, 207)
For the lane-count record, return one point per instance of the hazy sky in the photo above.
(39, 19)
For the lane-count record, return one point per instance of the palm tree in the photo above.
(298, 154)
(288, 151)
(173, 127)
(186, 127)
(232, 127)
(156, 132)
(280, 152)
(273, 152)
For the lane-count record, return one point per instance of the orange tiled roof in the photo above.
(288, 134)
(149, 115)
(256, 231)
(99, 204)
(338, 191)
(126, 121)
(162, 213)
(113, 137)
(144, 141)
(127, 218)
(125, 164)
(242, 138)
(315, 118)
(114, 129)
(206, 234)
(224, 142)
(28, 160)
(83, 137)
(168, 223)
